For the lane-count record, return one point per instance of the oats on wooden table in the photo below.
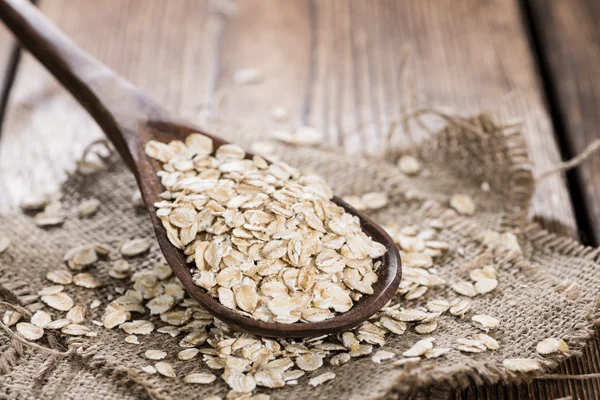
(248, 76)
(30, 331)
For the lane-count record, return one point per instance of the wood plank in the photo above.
(569, 37)
(6, 55)
(45, 130)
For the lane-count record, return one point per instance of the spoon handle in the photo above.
(116, 105)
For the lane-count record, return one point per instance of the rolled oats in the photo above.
(264, 240)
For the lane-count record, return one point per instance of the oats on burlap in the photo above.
(521, 364)
(41, 319)
(11, 317)
(30, 331)
(4, 243)
(263, 239)
(88, 207)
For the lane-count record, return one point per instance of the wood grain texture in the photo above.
(570, 43)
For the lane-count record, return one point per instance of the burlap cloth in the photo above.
(530, 302)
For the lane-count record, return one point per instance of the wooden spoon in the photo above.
(130, 119)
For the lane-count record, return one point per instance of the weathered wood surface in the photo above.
(333, 64)
(570, 43)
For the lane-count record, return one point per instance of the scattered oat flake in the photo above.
(485, 285)
(437, 352)
(465, 288)
(60, 276)
(58, 324)
(426, 328)
(11, 317)
(30, 331)
(187, 354)
(149, 369)
(88, 207)
(382, 355)
(552, 345)
(374, 200)
(41, 319)
(114, 318)
(320, 379)
(155, 354)
(165, 369)
(280, 114)
(95, 304)
(521, 364)
(75, 330)
(409, 165)
(419, 348)
(485, 322)
(138, 327)
(487, 341)
(201, 378)
(59, 301)
(86, 280)
(134, 247)
(463, 204)
(132, 339)
(247, 76)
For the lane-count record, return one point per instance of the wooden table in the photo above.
(335, 64)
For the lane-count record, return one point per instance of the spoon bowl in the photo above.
(130, 119)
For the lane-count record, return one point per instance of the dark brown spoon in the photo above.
(130, 119)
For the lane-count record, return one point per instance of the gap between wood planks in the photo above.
(8, 79)
(574, 183)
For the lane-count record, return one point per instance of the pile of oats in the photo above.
(263, 239)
